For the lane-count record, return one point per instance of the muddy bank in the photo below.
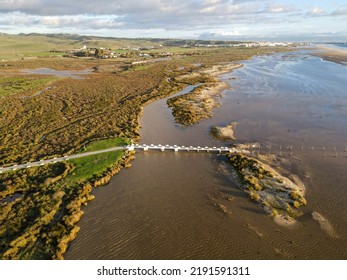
(224, 133)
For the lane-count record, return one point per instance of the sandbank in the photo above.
(332, 54)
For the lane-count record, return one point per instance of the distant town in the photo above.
(147, 52)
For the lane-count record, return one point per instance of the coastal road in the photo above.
(54, 160)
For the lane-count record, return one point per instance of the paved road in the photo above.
(54, 160)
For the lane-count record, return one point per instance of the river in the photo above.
(186, 206)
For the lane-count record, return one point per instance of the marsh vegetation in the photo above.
(40, 223)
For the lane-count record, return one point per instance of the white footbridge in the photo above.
(133, 147)
(177, 148)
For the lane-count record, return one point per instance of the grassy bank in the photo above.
(88, 167)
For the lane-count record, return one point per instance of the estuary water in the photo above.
(340, 45)
(186, 205)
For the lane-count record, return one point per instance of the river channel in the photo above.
(186, 205)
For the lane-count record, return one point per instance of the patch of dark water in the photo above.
(59, 73)
(11, 198)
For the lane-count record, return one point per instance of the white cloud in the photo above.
(316, 12)
(227, 33)
(340, 12)
(228, 17)
(16, 19)
(51, 21)
(55, 22)
(208, 10)
(276, 9)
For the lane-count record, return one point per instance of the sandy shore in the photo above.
(332, 54)
(217, 70)
(324, 224)
(283, 221)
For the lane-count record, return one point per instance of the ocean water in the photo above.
(339, 45)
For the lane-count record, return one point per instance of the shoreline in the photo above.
(331, 54)
(220, 69)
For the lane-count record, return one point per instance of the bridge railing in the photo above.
(178, 148)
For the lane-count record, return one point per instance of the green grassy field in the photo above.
(177, 50)
(13, 85)
(46, 54)
(12, 46)
(48, 45)
(139, 67)
(106, 144)
(87, 167)
(17, 46)
(120, 51)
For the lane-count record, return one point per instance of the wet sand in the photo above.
(187, 206)
(332, 54)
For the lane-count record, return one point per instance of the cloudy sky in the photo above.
(318, 20)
